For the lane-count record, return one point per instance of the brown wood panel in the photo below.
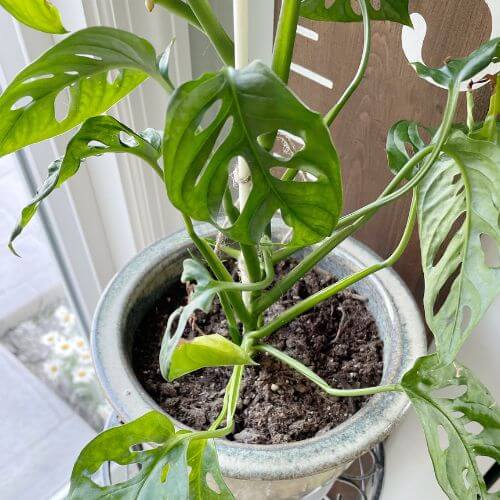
(391, 91)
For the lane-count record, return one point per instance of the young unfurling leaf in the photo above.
(455, 456)
(204, 351)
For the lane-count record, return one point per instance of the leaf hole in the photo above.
(489, 465)
(113, 75)
(38, 77)
(455, 227)
(474, 427)
(93, 144)
(71, 73)
(410, 150)
(208, 116)
(212, 483)
(449, 392)
(90, 56)
(465, 473)
(355, 6)
(62, 104)
(127, 140)
(424, 133)
(442, 438)
(466, 318)
(457, 414)
(119, 473)
(456, 178)
(277, 172)
(285, 146)
(491, 251)
(23, 102)
(443, 293)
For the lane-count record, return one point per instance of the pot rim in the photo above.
(341, 445)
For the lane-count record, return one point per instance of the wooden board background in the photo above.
(391, 91)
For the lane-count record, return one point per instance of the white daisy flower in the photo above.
(52, 369)
(64, 348)
(50, 338)
(85, 357)
(82, 374)
(65, 317)
(79, 343)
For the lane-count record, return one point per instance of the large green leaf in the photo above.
(342, 10)
(204, 351)
(459, 70)
(458, 207)
(163, 470)
(253, 102)
(202, 458)
(38, 14)
(81, 65)
(98, 135)
(455, 459)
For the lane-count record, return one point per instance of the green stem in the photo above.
(470, 111)
(305, 265)
(285, 38)
(181, 9)
(389, 193)
(348, 224)
(333, 113)
(221, 274)
(313, 377)
(283, 52)
(311, 301)
(229, 407)
(432, 151)
(214, 30)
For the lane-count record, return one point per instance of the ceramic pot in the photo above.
(287, 471)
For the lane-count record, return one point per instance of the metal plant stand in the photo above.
(362, 481)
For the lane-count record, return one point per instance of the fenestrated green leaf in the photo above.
(455, 460)
(82, 65)
(253, 102)
(342, 10)
(202, 458)
(38, 14)
(204, 351)
(459, 70)
(98, 135)
(163, 473)
(458, 205)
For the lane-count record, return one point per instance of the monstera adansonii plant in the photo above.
(236, 114)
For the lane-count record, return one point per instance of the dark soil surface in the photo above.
(337, 339)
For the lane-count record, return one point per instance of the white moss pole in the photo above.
(240, 16)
